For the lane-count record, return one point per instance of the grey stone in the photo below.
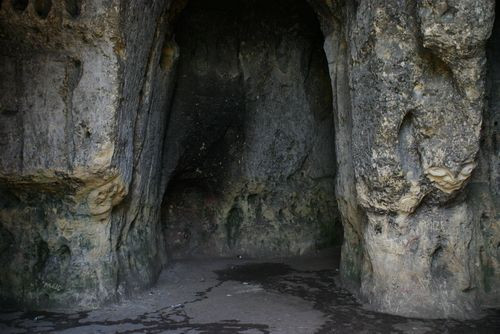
(251, 133)
(118, 150)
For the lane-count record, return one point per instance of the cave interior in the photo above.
(136, 136)
(250, 139)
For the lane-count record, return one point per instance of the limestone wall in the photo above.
(85, 98)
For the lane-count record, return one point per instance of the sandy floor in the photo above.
(241, 296)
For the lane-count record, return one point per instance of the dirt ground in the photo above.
(238, 295)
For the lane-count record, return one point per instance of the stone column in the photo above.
(417, 82)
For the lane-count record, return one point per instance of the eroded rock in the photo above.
(253, 157)
(91, 135)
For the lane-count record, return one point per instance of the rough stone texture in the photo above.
(417, 77)
(75, 88)
(86, 92)
(417, 152)
(251, 133)
(58, 123)
(484, 189)
(148, 70)
(413, 87)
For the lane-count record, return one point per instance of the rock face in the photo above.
(484, 189)
(252, 164)
(418, 88)
(108, 110)
(76, 102)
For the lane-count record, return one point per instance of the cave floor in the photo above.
(296, 295)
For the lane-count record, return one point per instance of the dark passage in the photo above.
(250, 138)
(491, 117)
(486, 185)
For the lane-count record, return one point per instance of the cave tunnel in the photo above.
(250, 139)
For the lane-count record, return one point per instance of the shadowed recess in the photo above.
(42, 7)
(73, 7)
(19, 5)
(250, 143)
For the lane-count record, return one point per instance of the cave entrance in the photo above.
(250, 140)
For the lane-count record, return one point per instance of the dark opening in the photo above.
(19, 5)
(492, 114)
(250, 142)
(488, 172)
(73, 7)
(42, 7)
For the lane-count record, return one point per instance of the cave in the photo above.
(250, 139)
(298, 166)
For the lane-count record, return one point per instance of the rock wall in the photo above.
(60, 91)
(409, 79)
(484, 190)
(87, 96)
(417, 77)
(251, 131)
(78, 98)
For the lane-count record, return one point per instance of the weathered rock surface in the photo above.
(484, 188)
(94, 124)
(252, 155)
(76, 94)
(60, 91)
(417, 78)
(418, 95)
(413, 88)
